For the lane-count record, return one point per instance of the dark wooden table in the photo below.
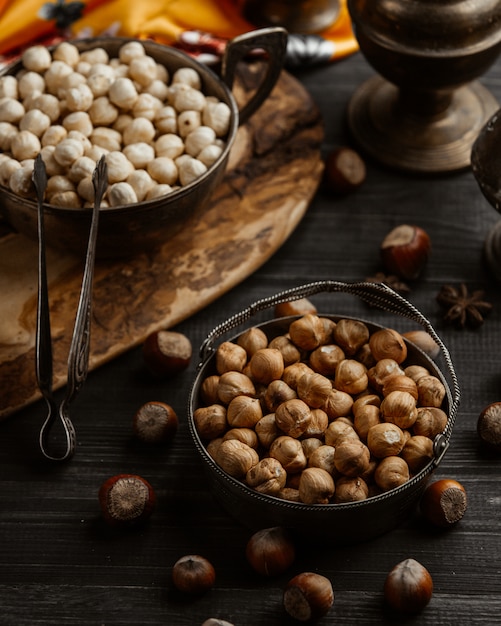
(59, 564)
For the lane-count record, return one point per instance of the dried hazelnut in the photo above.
(417, 453)
(430, 421)
(290, 352)
(277, 392)
(267, 430)
(292, 417)
(302, 306)
(351, 377)
(245, 435)
(290, 494)
(236, 458)
(210, 421)
(252, 340)
(266, 365)
(310, 445)
(314, 389)
(338, 404)
(385, 439)
(338, 431)
(365, 356)
(307, 332)
(366, 417)
(431, 391)
(230, 357)
(388, 344)
(233, 384)
(292, 373)
(391, 472)
(325, 359)
(381, 372)
(268, 476)
(244, 412)
(351, 490)
(424, 341)
(316, 486)
(368, 398)
(416, 372)
(352, 457)
(323, 457)
(351, 335)
(318, 423)
(289, 452)
(209, 389)
(400, 383)
(213, 446)
(399, 407)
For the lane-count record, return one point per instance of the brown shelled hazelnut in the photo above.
(166, 353)
(399, 407)
(266, 365)
(322, 457)
(289, 452)
(245, 435)
(236, 458)
(350, 335)
(308, 332)
(252, 340)
(387, 343)
(351, 490)
(210, 421)
(316, 486)
(352, 457)
(308, 596)
(366, 417)
(293, 417)
(416, 372)
(338, 403)
(489, 426)
(267, 430)
(230, 357)
(431, 391)
(381, 372)
(268, 476)
(302, 306)
(338, 431)
(430, 421)
(385, 439)
(155, 422)
(233, 384)
(209, 389)
(400, 382)
(326, 358)
(193, 574)
(310, 444)
(392, 472)
(417, 452)
(408, 588)
(314, 389)
(318, 423)
(424, 341)
(244, 412)
(290, 353)
(270, 551)
(405, 251)
(277, 392)
(351, 377)
(444, 502)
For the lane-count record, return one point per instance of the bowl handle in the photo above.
(376, 294)
(271, 40)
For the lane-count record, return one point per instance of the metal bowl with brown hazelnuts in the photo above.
(328, 425)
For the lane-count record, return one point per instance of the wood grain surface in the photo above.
(273, 173)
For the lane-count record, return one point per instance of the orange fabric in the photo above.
(164, 20)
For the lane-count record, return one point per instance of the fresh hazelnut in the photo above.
(408, 588)
(399, 407)
(417, 452)
(244, 412)
(379, 373)
(416, 372)
(338, 404)
(210, 421)
(308, 596)
(352, 457)
(387, 343)
(365, 418)
(126, 500)
(293, 417)
(245, 435)
(385, 439)
(233, 384)
(209, 389)
(318, 423)
(266, 365)
(337, 431)
(193, 574)
(302, 306)
(391, 472)
(431, 391)
(350, 335)
(322, 456)
(230, 357)
(310, 444)
(314, 389)
(292, 373)
(236, 458)
(444, 502)
(270, 551)
(316, 486)
(351, 377)
(489, 426)
(400, 382)
(252, 340)
(307, 332)
(405, 251)
(291, 353)
(424, 341)
(277, 392)
(345, 170)
(351, 490)
(289, 452)
(268, 476)
(267, 430)
(166, 353)
(430, 421)
(326, 358)
(155, 422)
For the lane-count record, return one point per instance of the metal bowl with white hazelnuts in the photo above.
(328, 425)
(165, 122)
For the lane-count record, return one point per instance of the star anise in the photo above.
(394, 282)
(463, 308)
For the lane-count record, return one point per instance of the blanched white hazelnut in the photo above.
(30, 82)
(54, 76)
(51, 165)
(119, 166)
(85, 189)
(106, 138)
(8, 87)
(7, 168)
(83, 67)
(163, 170)
(99, 84)
(66, 199)
(11, 110)
(75, 79)
(166, 120)
(95, 152)
(162, 73)
(141, 182)
(67, 52)
(143, 69)
(217, 115)
(123, 93)
(36, 58)
(81, 168)
(7, 133)
(79, 98)
(169, 145)
(131, 50)
(188, 121)
(25, 145)
(96, 55)
(139, 154)
(48, 104)
(190, 169)
(158, 89)
(187, 75)
(188, 99)
(67, 151)
(198, 139)
(122, 122)
(80, 121)
(158, 191)
(20, 182)
(146, 106)
(101, 69)
(140, 129)
(121, 193)
(102, 112)
(35, 121)
(57, 184)
(210, 154)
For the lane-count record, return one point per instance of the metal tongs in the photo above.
(78, 357)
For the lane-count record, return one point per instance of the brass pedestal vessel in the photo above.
(424, 109)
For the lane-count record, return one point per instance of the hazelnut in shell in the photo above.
(193, 574)
(155, 422)
(444, 502)
(166, 353)
(270, 551)
(405, 251)
(308, 596)
(489, 426)
(126, 500)
(345, 170)
(408, 588)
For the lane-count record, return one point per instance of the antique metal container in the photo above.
(333, 523)
(126, 229)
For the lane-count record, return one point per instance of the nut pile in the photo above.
(326, 413)
(158, 132)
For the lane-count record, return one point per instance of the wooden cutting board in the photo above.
(274, 171)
